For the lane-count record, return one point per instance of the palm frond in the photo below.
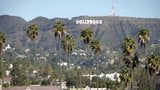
(32, 31)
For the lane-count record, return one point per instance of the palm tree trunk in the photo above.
(1, 80)
(97, 72)
(59, 76)
(89, 67)
(80, 83)
(149, 77)
(154, 80)
(35, 56)
(131, 69)
(139, 78)
(80, 80)
(69, 69)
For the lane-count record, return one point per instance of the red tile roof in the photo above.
(32, 88)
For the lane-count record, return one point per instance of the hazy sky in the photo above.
(29, 9)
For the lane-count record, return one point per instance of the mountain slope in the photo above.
(111, 32)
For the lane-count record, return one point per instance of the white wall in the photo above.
(0, 87)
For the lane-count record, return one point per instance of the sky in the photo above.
(29, 9)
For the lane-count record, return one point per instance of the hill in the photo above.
(111, 32)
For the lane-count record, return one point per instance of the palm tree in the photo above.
(59, 31)
(32, 33)
(78, 72)
(154, 64)
(129, 47)
(2, 43)
(87, 35)
(143, 39)
(125, 76)
(96, 48)
(68, 44)
(134, 61)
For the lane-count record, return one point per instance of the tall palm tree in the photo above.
(32, 33)
(125, 76)
(68, 44)
(59, 30)
(129, 47)
(87, 35)
(2, 43)
(153, 67)
(154, 64)
(143, 39)
(96, 48)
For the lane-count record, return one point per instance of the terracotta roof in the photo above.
(7, 78)
(32, 88)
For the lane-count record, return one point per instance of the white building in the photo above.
(7, 47)
(111, 76)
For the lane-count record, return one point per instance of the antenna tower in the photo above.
(113, 12)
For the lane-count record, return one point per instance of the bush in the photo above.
(45, 82)
(6, 85)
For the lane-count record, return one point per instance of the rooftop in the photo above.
(32, 88)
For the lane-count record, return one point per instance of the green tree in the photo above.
(125, 76)
(68, 44)
(96, 48)
(154, 63)
(20, 73)
(129, 47)
(143, 39)
(32, 33)
(2, 43)
(154, 67)
(47, 70)
(109, 84)
(47, 75)
(87, 35)
(78, 72)
(59, 31)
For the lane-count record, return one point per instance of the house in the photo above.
(7, 80)
(32, 88)
(111, 76)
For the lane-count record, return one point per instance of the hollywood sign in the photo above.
(89, 21)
